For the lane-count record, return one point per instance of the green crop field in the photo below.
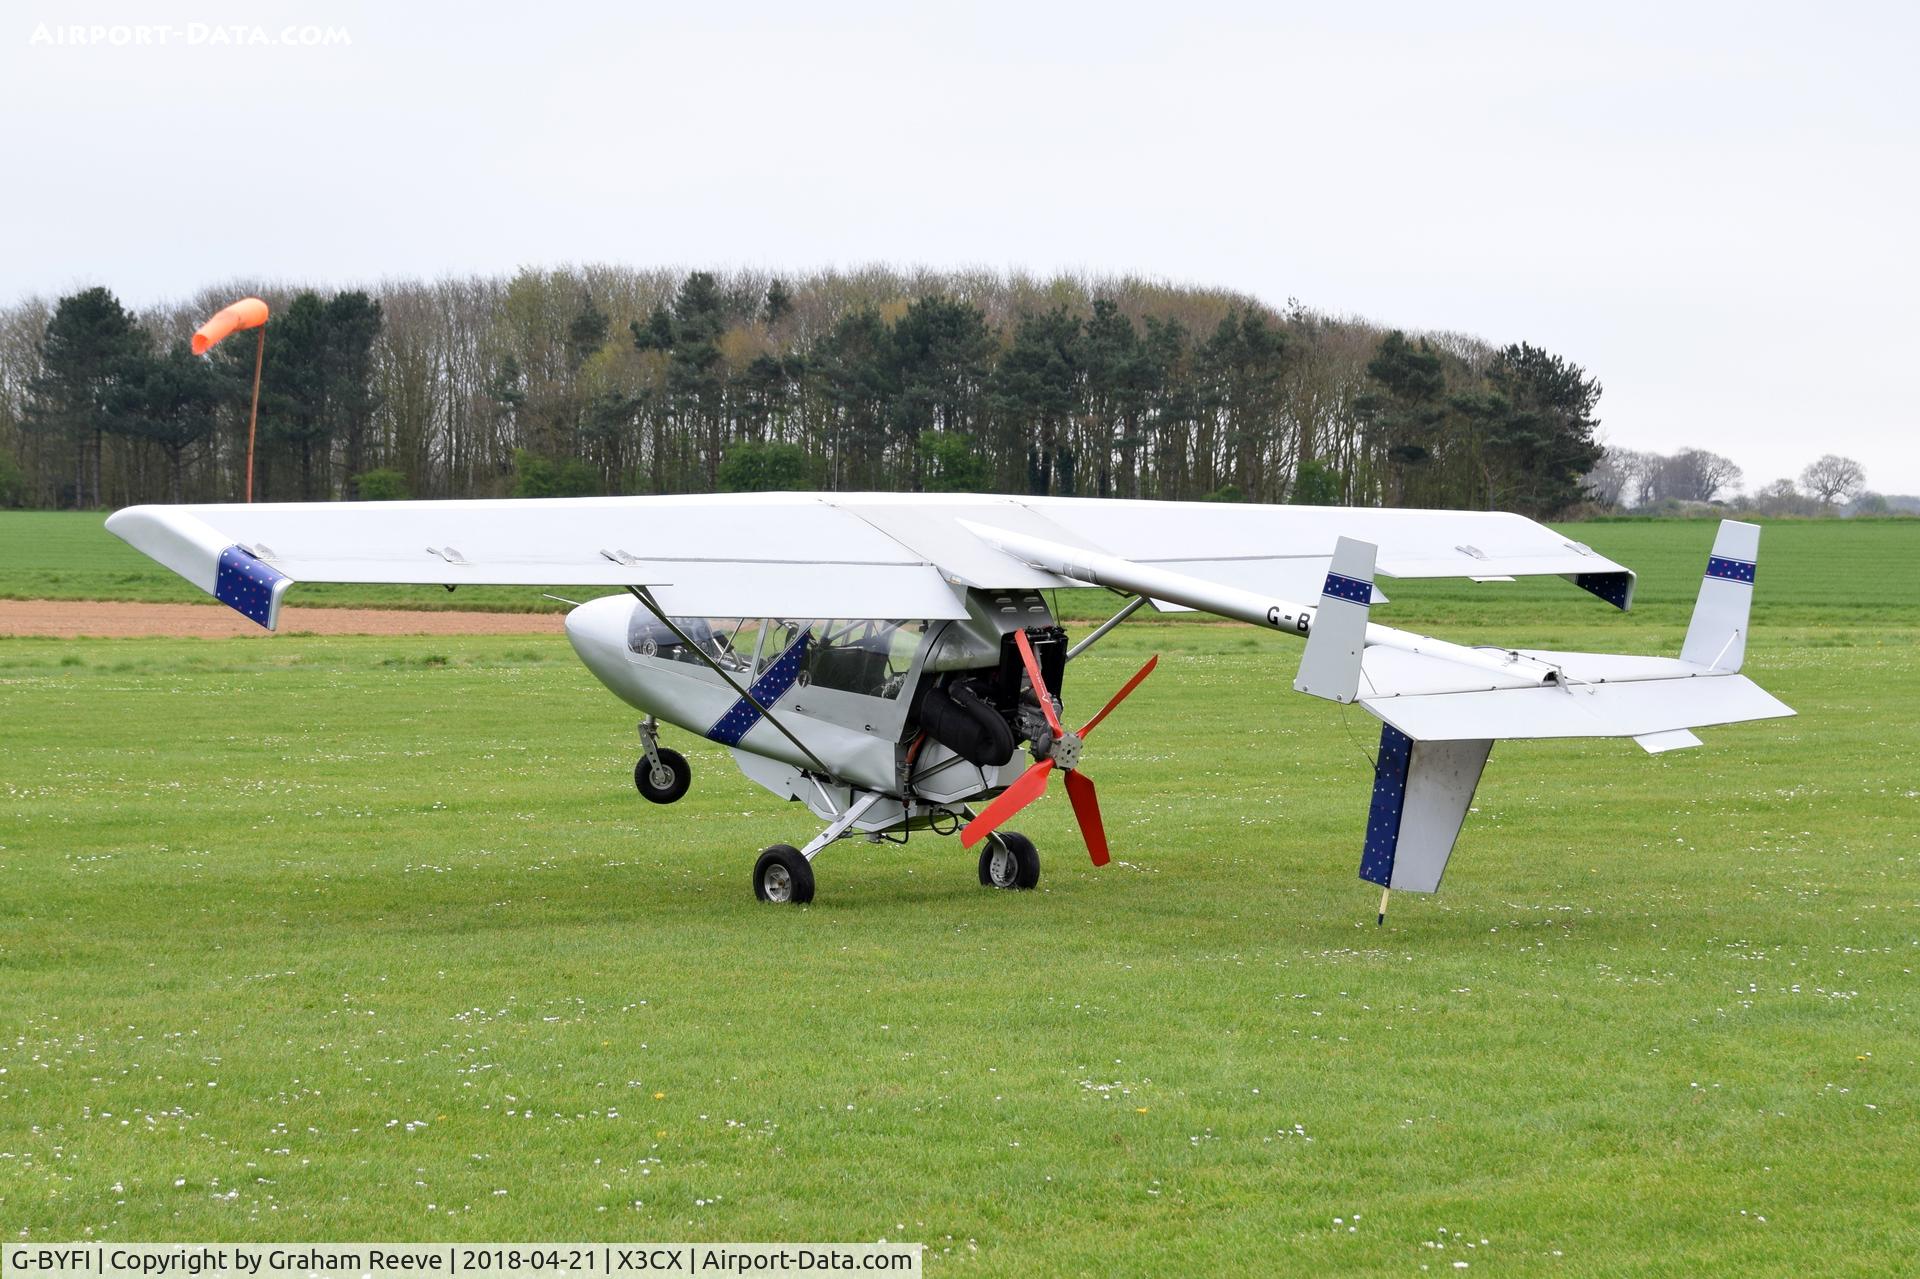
(307, 938)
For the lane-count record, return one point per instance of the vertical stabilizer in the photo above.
(1717, 636)
(1330, 667)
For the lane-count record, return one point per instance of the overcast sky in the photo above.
(1711, 207)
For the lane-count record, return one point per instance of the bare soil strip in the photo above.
(106, 619)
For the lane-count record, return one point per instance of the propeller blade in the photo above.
(1121, 696)
(1040, 691)
(1029, 786)
(1086, 807)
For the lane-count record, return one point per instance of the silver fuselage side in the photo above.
(864, 738)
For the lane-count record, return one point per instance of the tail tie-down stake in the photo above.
(1443, 705)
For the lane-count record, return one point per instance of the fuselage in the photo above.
(856, 694)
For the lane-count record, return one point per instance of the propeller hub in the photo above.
(1065, 751)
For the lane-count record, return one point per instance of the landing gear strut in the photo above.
(661, 775)
(784, 874)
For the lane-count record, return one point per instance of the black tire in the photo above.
(782, 875)
(679, 777)
(1009, 860)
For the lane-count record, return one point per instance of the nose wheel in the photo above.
(662, 775)
(1009, 861)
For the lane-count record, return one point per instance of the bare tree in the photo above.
(1640, 468)
(1715, 472)
(1614, 478)
(1782, 498)
(1691, 475)
(1833, 479)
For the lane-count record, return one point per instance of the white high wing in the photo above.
(880, 657)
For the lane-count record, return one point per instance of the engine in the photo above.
(982, 714)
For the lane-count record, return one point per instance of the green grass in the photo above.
(344, 938)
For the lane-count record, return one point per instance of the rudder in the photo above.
(1717, 635)
(1421, 792)
(1330, 666)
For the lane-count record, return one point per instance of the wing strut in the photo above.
(647, 601)
(1099, 632)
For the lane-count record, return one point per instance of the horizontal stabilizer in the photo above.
(1632, 709)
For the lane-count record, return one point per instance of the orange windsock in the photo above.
(247, 313)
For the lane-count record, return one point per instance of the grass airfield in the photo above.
(314, 938)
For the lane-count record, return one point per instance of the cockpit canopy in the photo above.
(871, 658)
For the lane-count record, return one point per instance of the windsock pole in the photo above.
(253, 413)
(247, 313)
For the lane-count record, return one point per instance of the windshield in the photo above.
(870, 658)
(647, 636)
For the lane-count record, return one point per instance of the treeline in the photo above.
(611, 380)
(1675, 483)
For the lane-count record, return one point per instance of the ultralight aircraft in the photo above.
(882, 658)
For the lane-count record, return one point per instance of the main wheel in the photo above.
(783, 875)
(663, 782)
(1009, 861)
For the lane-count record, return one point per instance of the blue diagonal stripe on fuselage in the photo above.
(768, 689)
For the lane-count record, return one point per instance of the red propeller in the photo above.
(1062, 751)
